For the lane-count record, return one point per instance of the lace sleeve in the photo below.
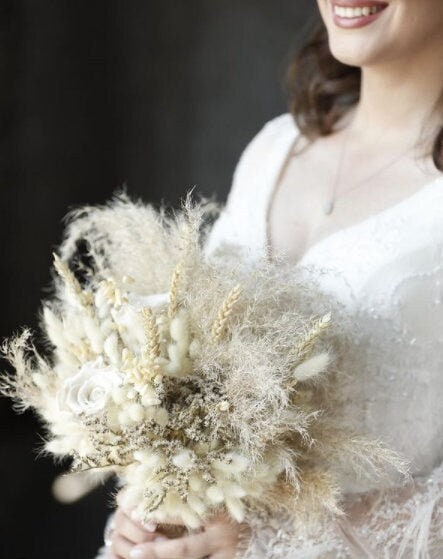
(407, 522)
(398, 523)
(103, 553)
(281, 537)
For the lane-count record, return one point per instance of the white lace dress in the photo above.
(386, 276)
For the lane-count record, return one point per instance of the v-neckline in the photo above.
(270, 253)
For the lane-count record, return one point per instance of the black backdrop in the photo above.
(161, 95)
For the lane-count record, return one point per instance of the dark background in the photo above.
(160, 95)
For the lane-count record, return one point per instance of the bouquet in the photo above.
(203, 383)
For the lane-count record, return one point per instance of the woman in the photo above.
(354, 188)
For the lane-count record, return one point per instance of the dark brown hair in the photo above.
(322, 90)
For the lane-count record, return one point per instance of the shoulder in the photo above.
(242, 220)
(266, 147)
(272, 130)
(262, 160)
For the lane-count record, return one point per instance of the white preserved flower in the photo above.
(89, 390)
(129, 319)
(130, 327)
(312, 367)
(154, 300)
(184, 460)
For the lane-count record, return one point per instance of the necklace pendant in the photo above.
(328, 207)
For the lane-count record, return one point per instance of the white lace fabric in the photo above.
(386, 524)
(383, 281)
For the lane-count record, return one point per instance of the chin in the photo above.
(369, 32)
(355, 52)
(358, 29)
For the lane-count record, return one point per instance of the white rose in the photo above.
(89, 390)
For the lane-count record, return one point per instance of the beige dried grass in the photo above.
(239, 329)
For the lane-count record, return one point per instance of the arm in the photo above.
(242, 221)
(403, 522)
(407, 521)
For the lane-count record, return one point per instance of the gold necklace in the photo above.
(329, 205)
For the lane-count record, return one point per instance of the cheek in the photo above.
(323, 9)
(416, 27)
(424, 18)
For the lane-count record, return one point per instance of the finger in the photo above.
(130, 529)
(121, 502)
(195, 546)
(121, 546)
(149, 525)
(226, 530)
(174, 522)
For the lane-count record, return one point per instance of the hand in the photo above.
(133, 540)
(127, 532)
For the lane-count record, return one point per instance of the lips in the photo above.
(358, 3)
(356, 13)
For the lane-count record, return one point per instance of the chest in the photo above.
(296, 218)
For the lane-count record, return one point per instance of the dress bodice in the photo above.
(384, 278)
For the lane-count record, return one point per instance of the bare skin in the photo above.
(400, 56)
(133, 540)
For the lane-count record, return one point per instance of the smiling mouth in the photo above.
(348, 12)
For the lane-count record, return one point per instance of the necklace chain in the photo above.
(330, 203)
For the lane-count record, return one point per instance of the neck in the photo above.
(398, 99)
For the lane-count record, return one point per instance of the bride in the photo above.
(349, 187)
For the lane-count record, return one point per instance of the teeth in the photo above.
(359, 11)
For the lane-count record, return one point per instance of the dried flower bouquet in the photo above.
(198, 381)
